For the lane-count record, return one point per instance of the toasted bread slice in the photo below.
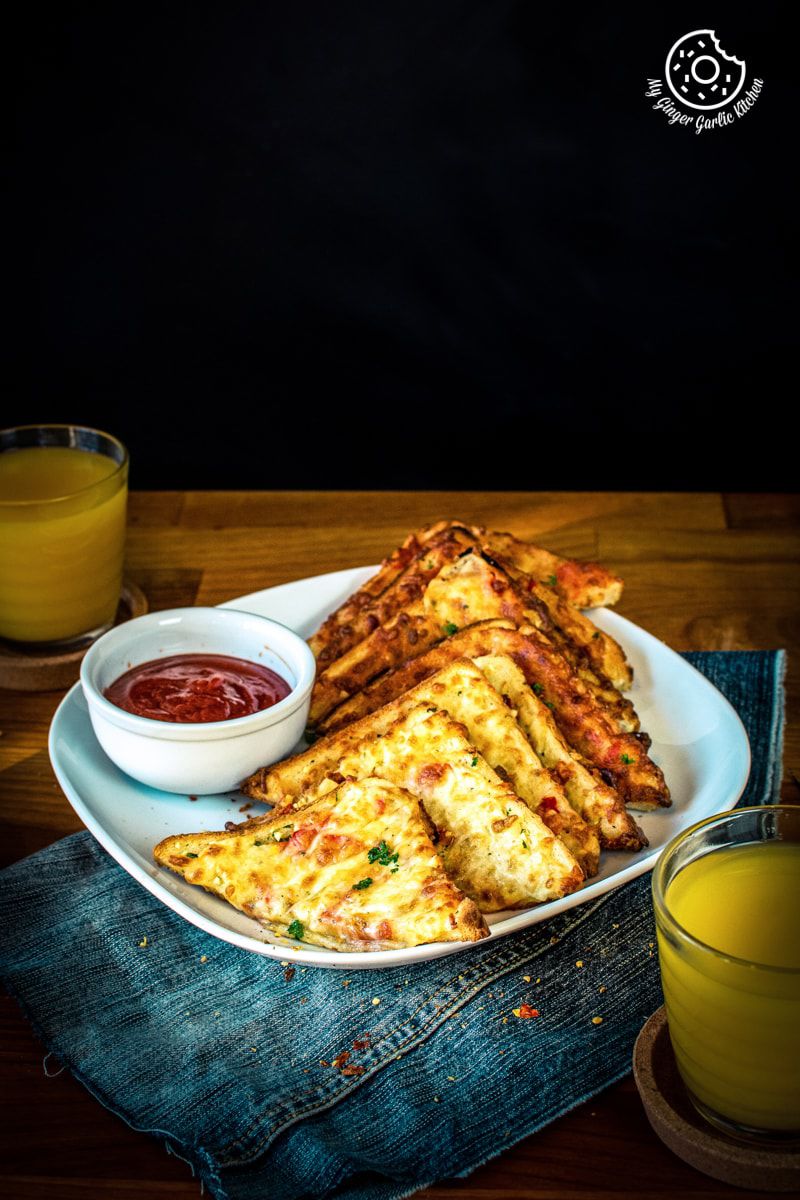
(597, 803)
(475, 639)
(464, 692)
(584, 584)
(439, 549)
(620, 758)
(356, 870)
(604, 656)
(491, 844)
(470, 589)
(461, 690)
(409, 633)
(475, 587)
(390, 569)
(463, 591)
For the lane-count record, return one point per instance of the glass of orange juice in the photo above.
(63, 496)
(726, 894)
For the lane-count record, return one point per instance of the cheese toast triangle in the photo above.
(354, 870)
(597, 803)
(582, 584)
(493, 847)
(469, 589)
(620, 758)
(464, 692)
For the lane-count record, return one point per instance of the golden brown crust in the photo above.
(499, 863)
(471, 588)
(583, 584)
(466, 643)
(598, 803)
(438, 549)
(582, 641)
(407, 634)
(462, 691)
(392, 566)
(621, 758)
(355, 871)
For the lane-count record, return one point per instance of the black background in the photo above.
(383, 245)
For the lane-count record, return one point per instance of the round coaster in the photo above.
(33, 672)
(681, 1128)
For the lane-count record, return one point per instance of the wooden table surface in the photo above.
(702, 572)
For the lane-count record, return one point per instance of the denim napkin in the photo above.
(297, 1082)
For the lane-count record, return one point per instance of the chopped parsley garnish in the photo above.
(549, 704)
(537, 689)
(382, 855)
(450, 628)
(189, 854)
(551, 579)
(626, 758)
(362, 883)
(475, 761)
(296, 930)
(283, 834)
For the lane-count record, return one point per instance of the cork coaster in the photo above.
(32, 672)
(681, 1128)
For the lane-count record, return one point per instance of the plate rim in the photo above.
(372, 959)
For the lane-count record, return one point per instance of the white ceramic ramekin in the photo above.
(211, 756)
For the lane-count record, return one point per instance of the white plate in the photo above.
(698, 741)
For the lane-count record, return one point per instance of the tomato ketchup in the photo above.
(197, 688)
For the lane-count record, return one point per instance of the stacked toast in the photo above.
(474, 752)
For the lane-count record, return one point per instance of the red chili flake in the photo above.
(289, 974)
(193, 797)
(353, 1070)
(361, 1044)
(525, 1011)
(341, 1059)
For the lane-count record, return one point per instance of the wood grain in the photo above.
(702, 571)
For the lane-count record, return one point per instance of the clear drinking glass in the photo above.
(726, 894)
(63, 497)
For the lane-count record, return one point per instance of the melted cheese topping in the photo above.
(461, 690)
(495, 849)
(596, 802)
(355, 870)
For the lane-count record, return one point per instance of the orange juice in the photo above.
(732, 988)
(62, 539)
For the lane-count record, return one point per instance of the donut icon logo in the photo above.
(700, 74)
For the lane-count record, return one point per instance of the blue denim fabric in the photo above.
(216, 1052)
